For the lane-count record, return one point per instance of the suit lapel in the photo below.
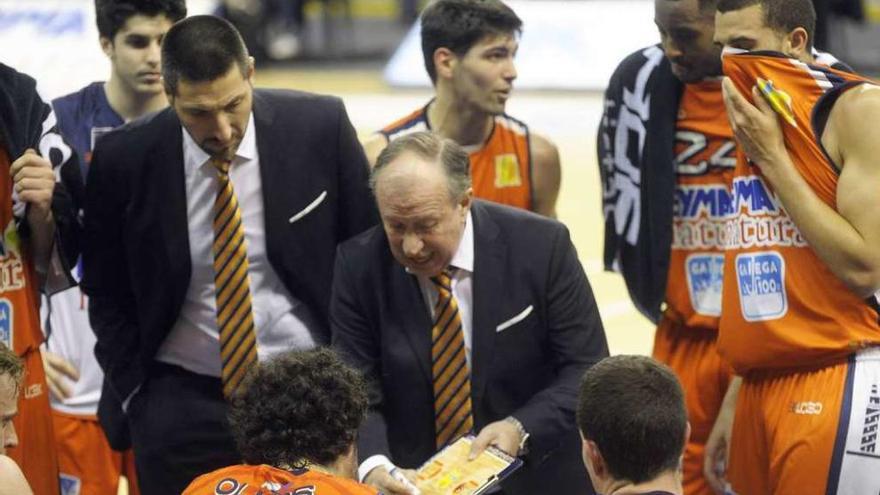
(282, 183)
(415, 319)
(490, 255)
(171, 197)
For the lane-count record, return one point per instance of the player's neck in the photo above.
(130, 105)
(458, 121)
(336, 468)
(666, 482)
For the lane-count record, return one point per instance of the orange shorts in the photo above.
(87, 463)
(809, 432)
(704, 376)
(36, 449)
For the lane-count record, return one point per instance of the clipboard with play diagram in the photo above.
(450, 472)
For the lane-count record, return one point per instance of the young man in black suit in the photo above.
(211, 229)
(444, 309)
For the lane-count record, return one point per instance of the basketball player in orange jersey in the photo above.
(12, 480)
(295, 423)
(469, 48)
(35, 213)
(802, 264)
(667, 247)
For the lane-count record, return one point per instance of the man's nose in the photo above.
(412, 245)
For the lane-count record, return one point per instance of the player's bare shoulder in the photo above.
(846, 134)
(546, 174)
(12, 481)
(373, 146)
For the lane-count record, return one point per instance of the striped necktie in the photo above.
(452, 383)
(235, 319)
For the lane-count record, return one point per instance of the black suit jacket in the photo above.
(137, 258)
(531, 370)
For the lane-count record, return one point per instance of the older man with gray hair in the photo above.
(444, 305)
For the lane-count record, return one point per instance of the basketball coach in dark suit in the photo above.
(211, 233)
(465, 317)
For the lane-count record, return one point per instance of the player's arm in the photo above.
(546, 175)
(353, 337)
(374, 145)
(718, 444)
(12, 480)
(845, 239)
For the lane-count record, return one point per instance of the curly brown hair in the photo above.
(301, 407)
(10, 364)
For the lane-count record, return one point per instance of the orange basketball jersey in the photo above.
(20, 331)
(705, 158)
(783, 307)
(500, 169)
(266, 480)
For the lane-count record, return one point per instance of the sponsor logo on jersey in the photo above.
(7, 330)
(33, 390)
(705, 279)
(70, 485)
(871, 422)
(761, 281)
(507, 171)
(11, 266)
(807, 407)
(708, 217)
(778, 99)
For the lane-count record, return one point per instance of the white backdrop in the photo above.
(570, 45)
(56, 41)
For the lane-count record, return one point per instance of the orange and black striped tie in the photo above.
(235, 319)
(452, 383)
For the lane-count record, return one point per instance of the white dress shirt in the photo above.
(462, 291)
(282, 323)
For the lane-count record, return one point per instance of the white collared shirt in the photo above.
(462, 291)
(462, 285)
(282, 323)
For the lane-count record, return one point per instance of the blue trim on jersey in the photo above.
(842, 429)
(423, 118)
(833, 78)
(80, 112)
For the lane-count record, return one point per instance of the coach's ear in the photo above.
(444, 62)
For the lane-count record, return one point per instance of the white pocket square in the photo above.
(516, 319)
(305, 211)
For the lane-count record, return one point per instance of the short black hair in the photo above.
(633, 408)
(780, 15)
(300, 407)
(201, 48)
(705, 5)
(460, 24)
(111, 15)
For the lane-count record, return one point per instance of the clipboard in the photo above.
(449, 472)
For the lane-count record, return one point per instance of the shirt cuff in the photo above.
(372, 463)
